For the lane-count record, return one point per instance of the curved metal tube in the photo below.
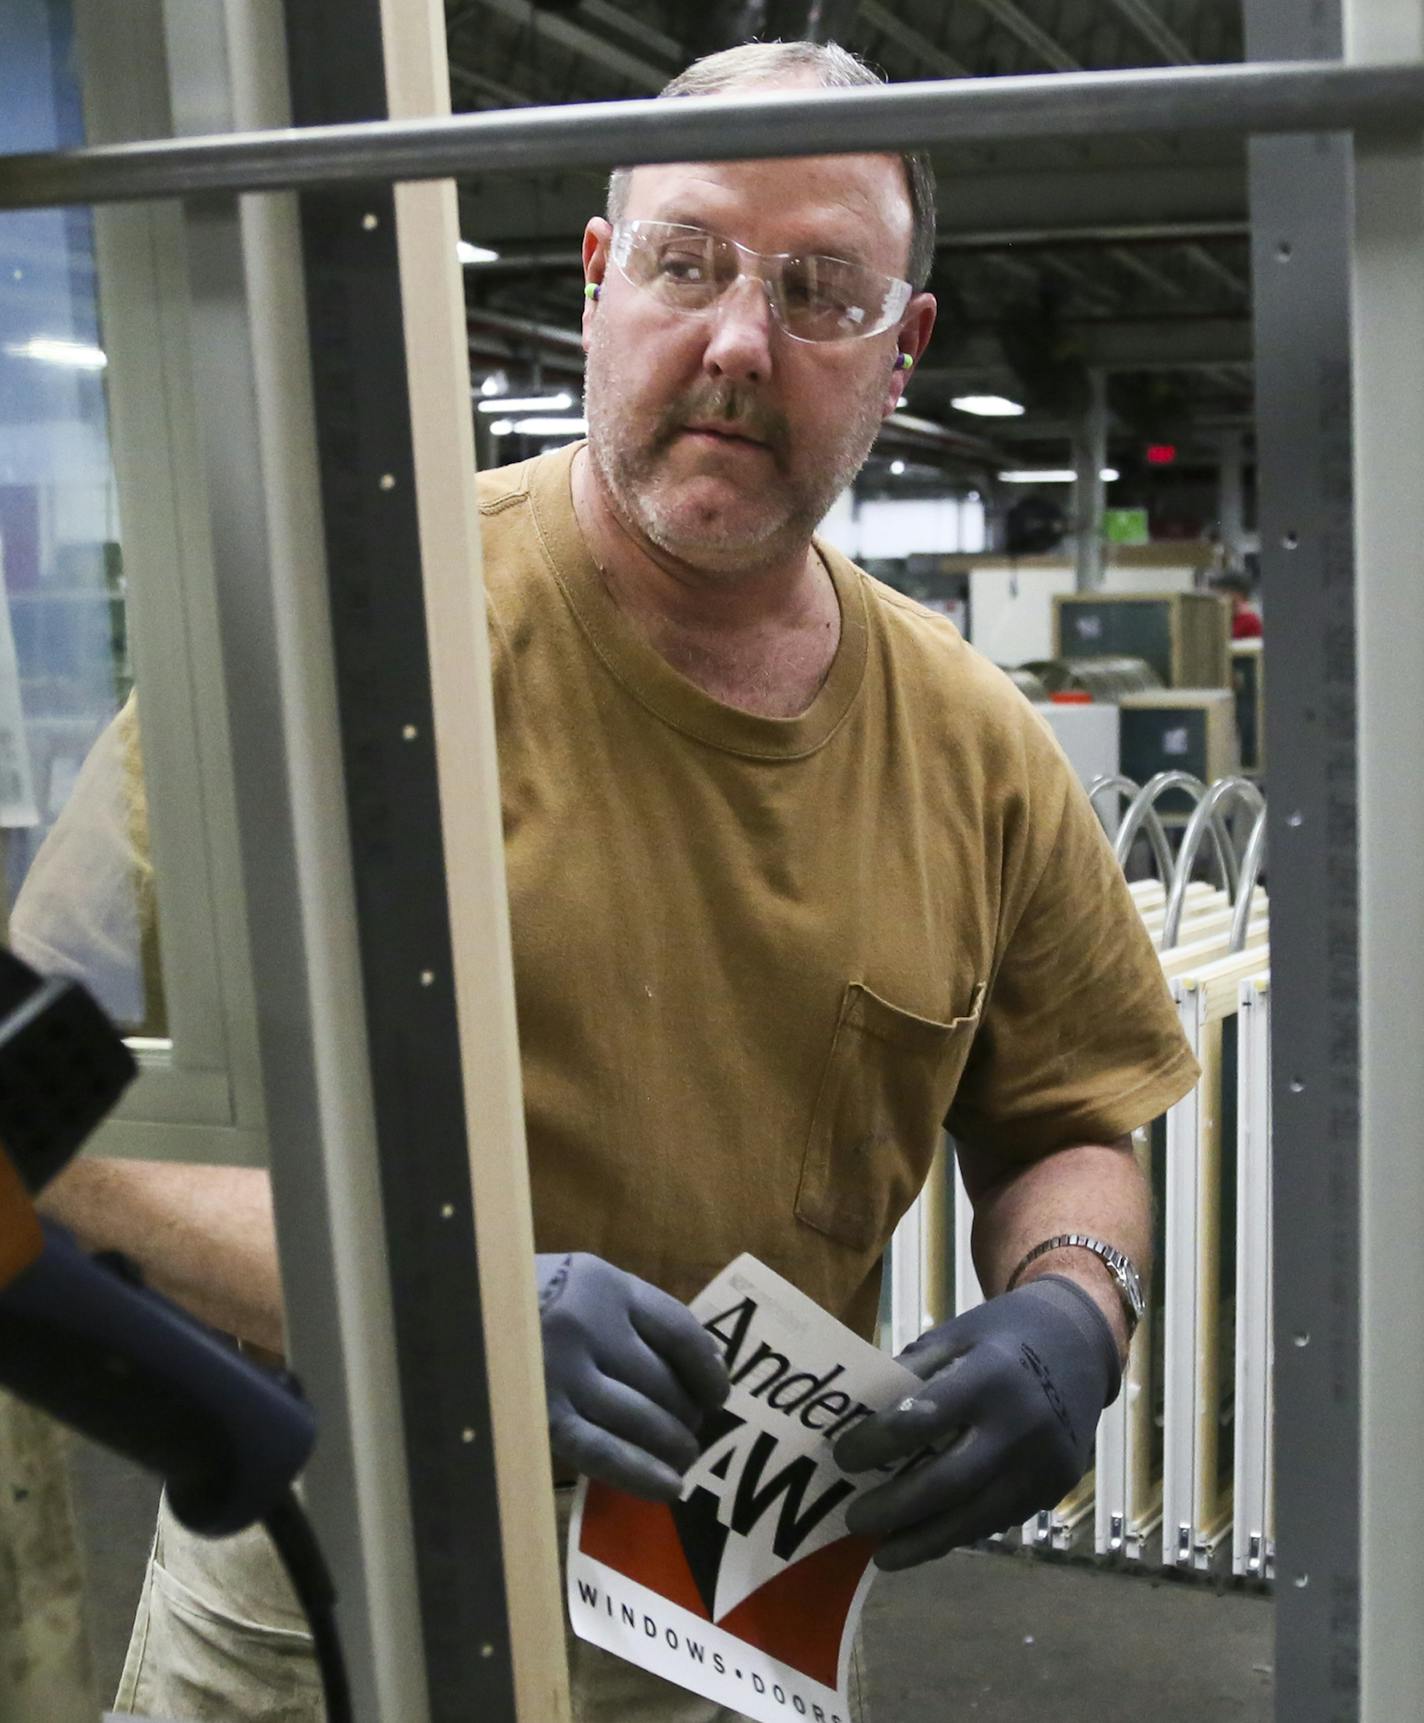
(1151, 822)
(1144, 810)
(1146, 802)
(1250, 877)
(1206, 819)
(1147, 798)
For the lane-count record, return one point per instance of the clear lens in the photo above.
(813, 298)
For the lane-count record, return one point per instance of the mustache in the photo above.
(733, 404)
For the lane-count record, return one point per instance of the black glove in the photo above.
(1006, 1421)
(629, 1371)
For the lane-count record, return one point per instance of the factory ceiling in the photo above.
(1052, 257)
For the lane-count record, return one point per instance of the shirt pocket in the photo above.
(888, 1083)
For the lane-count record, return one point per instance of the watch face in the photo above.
(1126, 1276)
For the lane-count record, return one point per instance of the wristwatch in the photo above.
(1125, 1276)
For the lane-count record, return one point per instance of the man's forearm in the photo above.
(203, 1236)
(1096, 1188)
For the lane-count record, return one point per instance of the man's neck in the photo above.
(762, 639)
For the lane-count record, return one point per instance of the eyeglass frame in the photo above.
(627, 228)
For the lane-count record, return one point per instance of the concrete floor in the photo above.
(996, 1638)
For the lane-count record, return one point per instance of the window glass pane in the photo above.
(80, 880)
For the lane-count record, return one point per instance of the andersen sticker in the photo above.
(748, 1590)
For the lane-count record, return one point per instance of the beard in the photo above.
(772, 514)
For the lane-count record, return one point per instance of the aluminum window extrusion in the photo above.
(394, 445)
(1387, 293)
(255, 448)
(1278, 97)
(1302, 195)
(1253, 1519)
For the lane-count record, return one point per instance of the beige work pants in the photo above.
(219, 1638)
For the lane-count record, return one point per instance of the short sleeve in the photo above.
(1079, 1040)
(87, 908)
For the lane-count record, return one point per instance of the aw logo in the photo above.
(757, 1545)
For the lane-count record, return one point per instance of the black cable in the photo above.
(290, 1530)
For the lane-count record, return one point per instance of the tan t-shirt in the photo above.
(759, 961)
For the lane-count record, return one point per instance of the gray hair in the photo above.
(835, 68)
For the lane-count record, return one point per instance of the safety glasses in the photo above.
(812, 298)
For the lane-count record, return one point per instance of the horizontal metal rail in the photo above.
(1226, 100)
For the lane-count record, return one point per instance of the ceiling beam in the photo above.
(1112, 344)
(1214, 267)
(479, 85)
(1142, 17)
(547, 336)
(1200, 192)
(811, 20)
(579, 39)
(1145, 273)
(930, 56)
(637, 30)
(1114, 233)
(1014, 267)
(909, 430)
(1115, 344)
(1089, 291)
(1032, 35)
(1052, 52)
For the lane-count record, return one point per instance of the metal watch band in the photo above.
(1125, 1276)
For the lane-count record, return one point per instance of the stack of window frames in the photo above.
(1188, 1439)
(1253, 1550)
(1201, 1261)
(1132, 1435)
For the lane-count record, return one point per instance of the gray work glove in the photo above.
(630, 1373)
(1006, 1420)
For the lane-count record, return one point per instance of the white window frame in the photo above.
(198, 1096)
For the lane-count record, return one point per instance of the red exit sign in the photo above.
(1161, 454)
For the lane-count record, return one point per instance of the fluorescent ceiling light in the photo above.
(528, 403)
(55, 351)
(539, 427)
(468, 253)
(988, 406)
(1050, 476)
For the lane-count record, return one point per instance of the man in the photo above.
(794, 876)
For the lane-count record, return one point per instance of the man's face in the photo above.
(718, 437)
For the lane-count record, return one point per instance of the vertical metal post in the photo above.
(252, 413)
(1231, 502)
(390, 392)
(1388, 407)
(1090, 455)
(334, 413)
(1301, 195)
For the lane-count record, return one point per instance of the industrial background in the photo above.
(1054, 260)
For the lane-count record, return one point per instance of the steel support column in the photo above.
(1231, 500)
(1388, 328)
(1090, 454)
(1301, 197)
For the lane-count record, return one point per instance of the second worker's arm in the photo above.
(201, 1235)
(628, 1370)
